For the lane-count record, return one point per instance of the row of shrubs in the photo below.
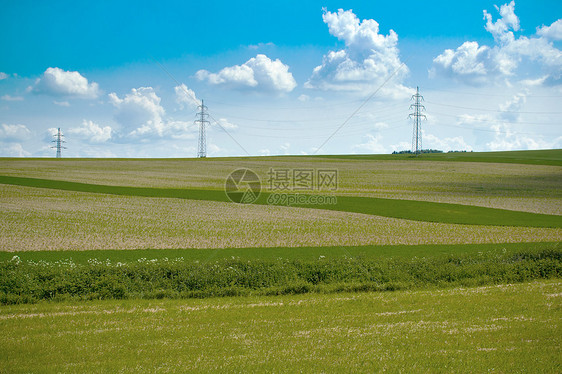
(29, 282)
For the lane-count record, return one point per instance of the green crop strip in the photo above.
(370, 252)
(405, 209)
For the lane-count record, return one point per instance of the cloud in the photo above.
(141, 115)
(14, 133)
(478, 65)
(92, 132)
(401, 146)
(3, 76)
(13, 150)
(139, 111)
(505, 139)
(368, 59)
(11, 98)
(181, 130)
(223, 122)
(500, 28)
(510, 110)
(57, 82)
(61, 103)
(552, 32)
(504, 127)
(261, 45)
(456, 143)
(258, 73)
(372, 145)
(468, 62)
(186, 97)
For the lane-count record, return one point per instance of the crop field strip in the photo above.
(395, 208)
(532, 188)
(510, 328)
(369, 252)
(47, 219)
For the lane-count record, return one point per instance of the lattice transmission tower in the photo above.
(417, 116)
(59, 140)
(202, 120)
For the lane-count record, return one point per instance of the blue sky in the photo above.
(121, 78)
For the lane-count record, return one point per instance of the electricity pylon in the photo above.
(417, 116)
(202, 120)
(59, 140)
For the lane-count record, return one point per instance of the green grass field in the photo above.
(507, 328)
(444, 262)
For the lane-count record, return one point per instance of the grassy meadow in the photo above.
(505, 328)
(444, 262)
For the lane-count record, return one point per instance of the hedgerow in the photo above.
(32, 281)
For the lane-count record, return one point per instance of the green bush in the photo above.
(29, 281)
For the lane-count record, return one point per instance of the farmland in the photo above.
(507, 328)
(461, 251)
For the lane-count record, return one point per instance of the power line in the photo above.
(486, 130)
(489, 95)
(491, 110)
(197, 102)
(362, 105)
(493, 120)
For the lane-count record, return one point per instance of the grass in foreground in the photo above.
(508, 328)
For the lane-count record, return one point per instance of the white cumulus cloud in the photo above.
(223, 122)
(368, 59)
(508, 131)
(141, 115)
(508, 21)
(139, 111)
(553, 32)
(3, 76)
(510, 111)
(13, 150)
(259, 73)
(477, 65)
(372, 145)
(11, 133)
(468, 62)
(58, 82)
(185, 97)
(456, 143)
(92, 132)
